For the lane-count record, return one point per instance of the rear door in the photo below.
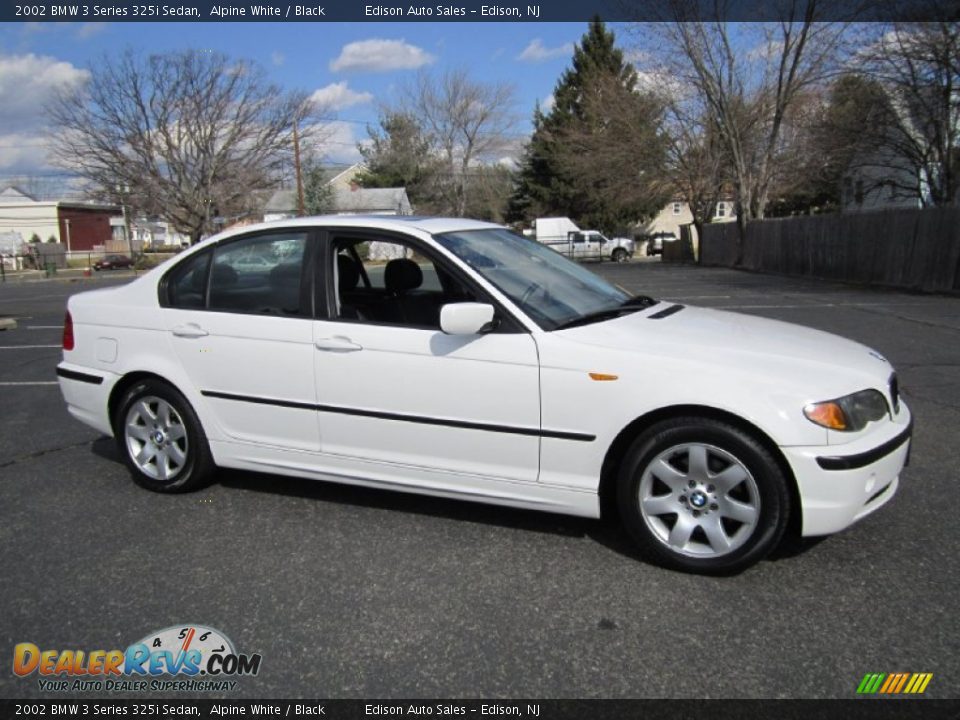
(239, 317)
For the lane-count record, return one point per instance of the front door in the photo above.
(396, 394)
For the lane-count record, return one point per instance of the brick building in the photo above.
(80, 226)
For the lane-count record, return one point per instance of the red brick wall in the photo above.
(88, 227)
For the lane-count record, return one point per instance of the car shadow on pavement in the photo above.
(405, 502)
(106, 447)
(606, 531)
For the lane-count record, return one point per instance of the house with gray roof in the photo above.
(348, 197)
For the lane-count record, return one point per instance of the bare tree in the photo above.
(186, 135)
(745, 77)
(467, 123)
(698, 167)
(917, 67)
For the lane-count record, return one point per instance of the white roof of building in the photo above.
(359, 200)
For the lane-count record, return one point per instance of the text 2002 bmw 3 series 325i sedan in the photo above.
(454, 358)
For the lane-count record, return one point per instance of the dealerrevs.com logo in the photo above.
(158, 662)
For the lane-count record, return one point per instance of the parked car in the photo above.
(480, 365)
(113, 262)
(656, 240)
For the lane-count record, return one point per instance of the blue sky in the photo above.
(353, 65)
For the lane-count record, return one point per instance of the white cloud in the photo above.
(548, 102)
(765, 51)
(338, 96)
(277, 58)
(22, 153)
(662, 82)
(27, 84)
(635, 55)
(336, 142)
(37, 27)
(88, 30)
(378, 55)
(536, 51)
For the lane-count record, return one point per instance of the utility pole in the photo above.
(301, 209)
(122, 191)
(66, 223)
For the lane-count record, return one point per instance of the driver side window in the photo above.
(390, 282)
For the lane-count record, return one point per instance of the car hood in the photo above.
(743, 345)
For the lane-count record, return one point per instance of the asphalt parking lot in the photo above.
(359, 593)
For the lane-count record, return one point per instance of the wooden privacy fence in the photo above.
(918, 249)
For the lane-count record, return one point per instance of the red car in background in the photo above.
(113, 262)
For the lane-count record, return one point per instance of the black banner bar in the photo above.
(214, 11)
(872, 708)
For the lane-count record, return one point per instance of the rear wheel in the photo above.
(161, 439)
(702, 496)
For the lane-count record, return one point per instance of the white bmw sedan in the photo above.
(451, 357)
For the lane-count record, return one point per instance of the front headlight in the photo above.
(848, 414)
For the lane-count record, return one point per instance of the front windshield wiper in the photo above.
(643, 301)
(598, 316)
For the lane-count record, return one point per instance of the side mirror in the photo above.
(465, 318)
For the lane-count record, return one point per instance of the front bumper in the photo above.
(841, 484)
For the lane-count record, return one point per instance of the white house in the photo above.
(879, 180)
(81, 226)
(353, 200)
(348, 197)
(677, 212)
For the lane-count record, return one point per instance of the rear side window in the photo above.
(187, 284)
(261, 274)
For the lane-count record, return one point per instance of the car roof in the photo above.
(432, 225)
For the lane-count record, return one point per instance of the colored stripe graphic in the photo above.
(894, 683)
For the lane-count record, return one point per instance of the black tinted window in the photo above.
(260, 274)
(186, 286)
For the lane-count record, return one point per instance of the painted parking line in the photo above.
(35, 382)
(817, 305)
(44, 327)
(27, 347)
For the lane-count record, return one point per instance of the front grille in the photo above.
(895, 393)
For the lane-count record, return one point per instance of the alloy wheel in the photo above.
(699, 500)
(156, 438)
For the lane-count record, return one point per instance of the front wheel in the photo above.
(161, 439)
(702, 496)
(619, 255)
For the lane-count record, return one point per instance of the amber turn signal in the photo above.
(826, 414)
(603, 377)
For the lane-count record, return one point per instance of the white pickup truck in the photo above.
(566, 238)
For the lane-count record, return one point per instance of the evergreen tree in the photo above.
(597, 113)
(398, 155)
(318, 196)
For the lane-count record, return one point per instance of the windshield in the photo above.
(550, 289)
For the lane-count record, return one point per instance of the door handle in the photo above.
(337, 343)
(190, 330)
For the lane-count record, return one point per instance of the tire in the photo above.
(619, 255)
(169, 453)
(732, 517)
